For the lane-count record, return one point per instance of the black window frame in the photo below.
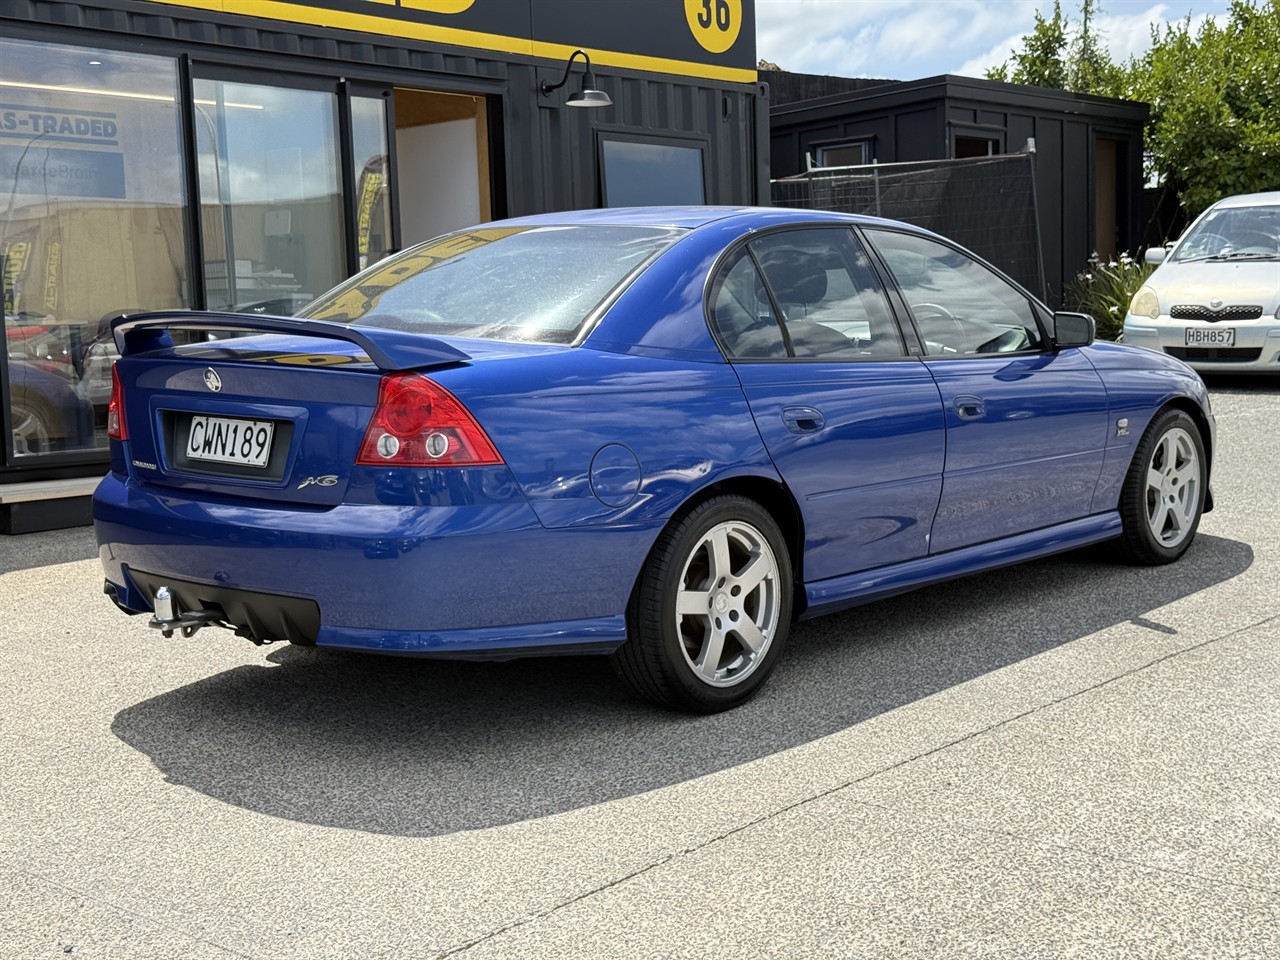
(866, 143)
(628, 135)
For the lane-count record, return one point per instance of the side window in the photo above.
(960, 306)
(742, 315)
(831, 303)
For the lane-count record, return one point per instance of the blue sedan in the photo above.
(659, 434)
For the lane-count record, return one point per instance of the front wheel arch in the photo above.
(1157, 494)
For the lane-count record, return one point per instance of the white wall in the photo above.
(439, 179)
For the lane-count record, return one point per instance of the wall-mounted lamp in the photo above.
(588, 96)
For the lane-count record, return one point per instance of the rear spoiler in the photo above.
(390, 350)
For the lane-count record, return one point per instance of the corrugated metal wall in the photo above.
(549, 152)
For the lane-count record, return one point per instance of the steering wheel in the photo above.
(1007, 342)
(1254, 238)
(933, 309)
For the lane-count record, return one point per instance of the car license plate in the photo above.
(1210, 337)
(228, 440)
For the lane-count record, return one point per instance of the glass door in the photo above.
(271, 201)
(368, 113)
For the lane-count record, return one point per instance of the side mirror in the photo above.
(1072, 329)
(1155, 254)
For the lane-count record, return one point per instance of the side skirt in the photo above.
(825, 596)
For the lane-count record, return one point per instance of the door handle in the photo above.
(803, 419)
(969, 408)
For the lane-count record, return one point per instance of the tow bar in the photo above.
(169, 619)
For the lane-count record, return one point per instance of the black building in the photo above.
(1088, 150)
(172, 154)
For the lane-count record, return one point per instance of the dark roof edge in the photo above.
(949, 85)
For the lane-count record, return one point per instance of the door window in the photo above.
(819, 299)
(960, 306)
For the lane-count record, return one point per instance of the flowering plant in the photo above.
(1103, 290)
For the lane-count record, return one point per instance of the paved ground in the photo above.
(1068, 759)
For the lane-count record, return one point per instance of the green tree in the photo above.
(1214, 93)
(1215, 104)
(1088, 65)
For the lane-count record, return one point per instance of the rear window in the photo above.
(537, 284)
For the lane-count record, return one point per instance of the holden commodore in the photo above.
(659, 434)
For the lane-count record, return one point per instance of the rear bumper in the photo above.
(482, 580)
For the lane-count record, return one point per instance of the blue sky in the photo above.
(909, 39)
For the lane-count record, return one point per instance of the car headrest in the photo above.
(796, 276)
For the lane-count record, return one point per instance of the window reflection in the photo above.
(270, 195)
(370, 154)
(640, 174)
(91, 224)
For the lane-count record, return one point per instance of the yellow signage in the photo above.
(715, 23)
(647, 35)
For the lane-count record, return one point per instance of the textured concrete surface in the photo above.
(1071, 758)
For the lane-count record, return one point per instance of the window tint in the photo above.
(742, 314)
(960, 306)
(831, 303)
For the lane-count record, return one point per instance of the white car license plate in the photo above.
(1210, 337)
(228, 440)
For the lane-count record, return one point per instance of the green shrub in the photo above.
(1103, 290)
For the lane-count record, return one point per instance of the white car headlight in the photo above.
(1145, 304)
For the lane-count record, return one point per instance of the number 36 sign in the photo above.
(715, 23)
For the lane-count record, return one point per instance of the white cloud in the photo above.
(1000, 53)
(908, 39)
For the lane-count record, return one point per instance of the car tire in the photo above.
(33, 427)
(1163, 495)
(711, 611)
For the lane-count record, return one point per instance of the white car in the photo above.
(1214, 301)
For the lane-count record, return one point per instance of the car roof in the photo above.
(688, 217)
(1269, 199)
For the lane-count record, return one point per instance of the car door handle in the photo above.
(802, 419)
(969, 408)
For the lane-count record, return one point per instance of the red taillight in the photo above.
(116, 429)
(419, 423)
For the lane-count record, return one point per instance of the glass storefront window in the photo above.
(270, 195)
(370, 154)
(92, 209)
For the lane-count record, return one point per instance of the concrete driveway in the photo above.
(1071, 758)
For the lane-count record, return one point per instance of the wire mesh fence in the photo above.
(984, 203)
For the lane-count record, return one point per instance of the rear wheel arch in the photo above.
(710, 611)
(777, 500)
